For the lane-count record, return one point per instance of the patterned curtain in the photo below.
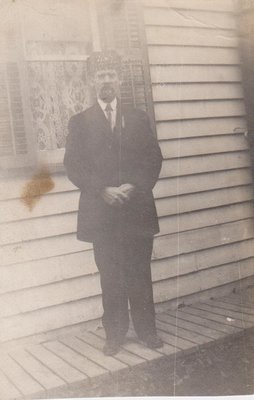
(58, 89)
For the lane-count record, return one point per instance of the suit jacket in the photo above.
(96, 157)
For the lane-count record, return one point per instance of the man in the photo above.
(113, 157)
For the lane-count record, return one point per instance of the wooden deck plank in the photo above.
(23, 381)
(7, 389)
(56, 364)
(189, 326)
(216, 317)
(243, 318)
(142, 351)
(110, 363)
(182, 333)
(75, 360)
(238, 299)
(37, 370)
(173, 340)
(232, 307)
(97, 340)
(219, 327)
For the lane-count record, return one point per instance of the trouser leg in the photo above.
(139, 284)
(108, 258)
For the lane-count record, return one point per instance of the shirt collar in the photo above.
(103, 104)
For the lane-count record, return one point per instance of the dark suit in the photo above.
(122, 236)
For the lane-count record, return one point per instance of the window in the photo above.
(44, 79)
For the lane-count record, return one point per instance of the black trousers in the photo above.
(125, 273)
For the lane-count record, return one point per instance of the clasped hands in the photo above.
(116, 196)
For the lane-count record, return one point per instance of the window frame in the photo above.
(53, 159)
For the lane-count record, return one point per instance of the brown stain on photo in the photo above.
(40, 184)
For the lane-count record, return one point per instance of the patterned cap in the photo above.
(108, 59)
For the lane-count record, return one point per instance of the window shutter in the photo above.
(14, 144)
(121, 28)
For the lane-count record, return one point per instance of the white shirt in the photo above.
(113, 104)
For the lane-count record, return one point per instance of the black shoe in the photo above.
(111, 348)
(153, 342)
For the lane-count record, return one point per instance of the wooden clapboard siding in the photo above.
(46, 271)
(171, 267)
(204, 163)
(53, 226)
(200, 127)
(192, 55)
(199, 146)
(174, 74)
(13, 188)
(168, 16)
(167, 35)
(200, 121)
(202, 182)
(62, 224)
(206, 5)
(205, 200)
(72, 290)
(55, 269)
(73, 312)
(67, 244)
(197, 91)
(15, 210)
(198, 109)
(49, 295)
(204, 218)
(50, 318)
(203, 280)
(49, 280)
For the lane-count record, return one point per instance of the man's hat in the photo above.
(107, 59)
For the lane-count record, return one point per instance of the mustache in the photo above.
(107, 86)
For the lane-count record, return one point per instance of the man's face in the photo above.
(107, 84)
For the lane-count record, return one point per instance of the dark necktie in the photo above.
(109, 110)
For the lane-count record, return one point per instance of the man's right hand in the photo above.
(114, 196)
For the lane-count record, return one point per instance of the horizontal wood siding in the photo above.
(200, 118)
(49, 280)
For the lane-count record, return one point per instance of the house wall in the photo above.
(49, 280)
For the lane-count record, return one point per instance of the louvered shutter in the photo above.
(15, 148)
(121, 28)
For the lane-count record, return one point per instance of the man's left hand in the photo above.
(128, 189)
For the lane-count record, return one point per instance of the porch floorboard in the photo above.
(76, 360)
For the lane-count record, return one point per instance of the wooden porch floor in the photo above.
(73, 361)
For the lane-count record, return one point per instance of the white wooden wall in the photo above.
(48, 279)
